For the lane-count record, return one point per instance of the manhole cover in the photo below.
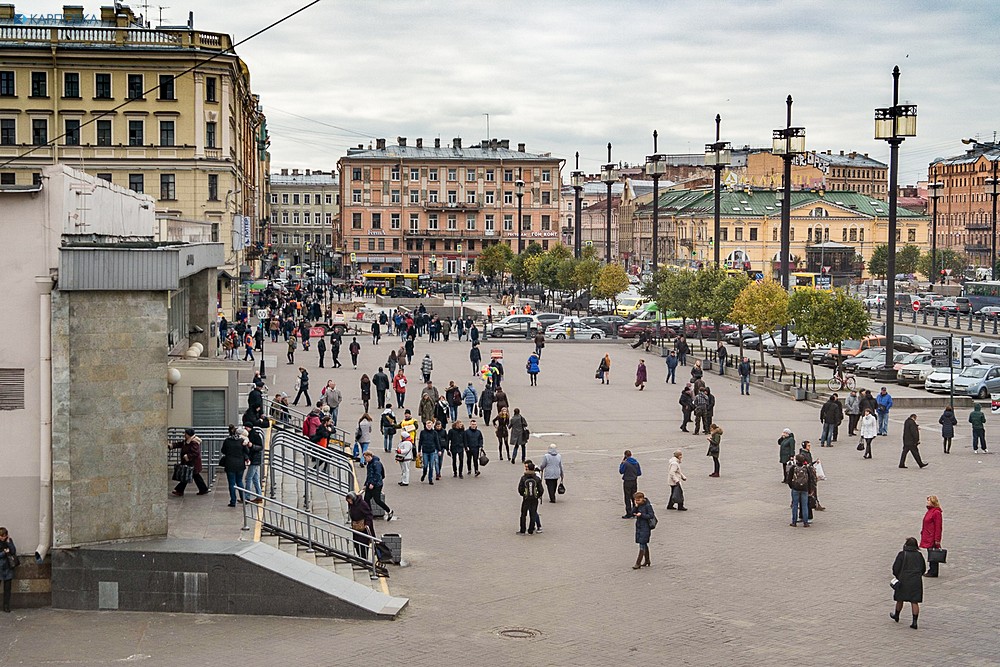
(519, 633)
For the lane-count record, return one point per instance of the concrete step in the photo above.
(290, 548)
(344, 569)
(270, 539)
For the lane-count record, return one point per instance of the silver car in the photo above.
(516, 325)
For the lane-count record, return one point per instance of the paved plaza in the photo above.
(730, 583)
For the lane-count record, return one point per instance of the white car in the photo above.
(873, 301)
(515, 325)
(560, 330)
(988, 353)
(914, 373)
(940, 380)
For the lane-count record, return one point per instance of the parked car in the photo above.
(871, 366)
(601, 306)
(516, 325)
(989, 313)
(403, 292)
(548, 319)
(633, 329)
(939, 381)
(770, 345)
(629, 304)
(875, 301)
(979, 381)
(852, 348)
(910, 343)
(579, 301)
(986, 354)
(599, 323)
(706, 329)
(915, 372)
(733, 337)
(865, 355)
(802, 349)
(560, 330)
(942, 306)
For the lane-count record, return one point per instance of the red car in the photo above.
(633, 329)
(707, 329)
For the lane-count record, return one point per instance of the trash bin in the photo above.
(377, 510)
(395, 544)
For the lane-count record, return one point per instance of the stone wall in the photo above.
(109, 416)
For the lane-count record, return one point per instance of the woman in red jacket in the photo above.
(930, 533)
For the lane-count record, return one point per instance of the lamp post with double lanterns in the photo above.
(718, 156)
(892, 125)
(577, 179)
(609, 175)
(656, 166)
(519, 191)
(993, 190)
(787, 142)
(934, 192)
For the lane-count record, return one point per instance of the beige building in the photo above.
(813, 170)
(432, 209)
(141, 108)
(305, 210)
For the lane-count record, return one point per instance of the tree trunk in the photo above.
(741, 341)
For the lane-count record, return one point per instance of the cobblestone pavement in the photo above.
(731, 583)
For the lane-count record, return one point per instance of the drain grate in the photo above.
(519, 633)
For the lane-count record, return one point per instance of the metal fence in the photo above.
(211, 448)
(317, 467)
(292, 418)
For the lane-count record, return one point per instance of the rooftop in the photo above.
(851, 159)
(487, 149)
(972, 155)
(308, 177)
(760, 203)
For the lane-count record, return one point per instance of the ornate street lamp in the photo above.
(609, 175)
(993, 190)
(718, 156)
(656, 166)
(934, 192)
(577, 179)
(787, 142)
(892, 125)
(519, 191)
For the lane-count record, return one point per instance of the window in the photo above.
(355, 196)
(911, 235)
(284, 198)
(211, 89)
(452, 196)
(135, 133)
(432, 221)
(328, 199)
(356, 174)
(71, 84)
(168, 186)
(167, 133)
(104, 133)
(546, 198)
(102, 86)
(526, 222)
(376, 221)
(546, 222)
(854, 234)
(7, 178)
(381, 244)
(546, 176)
(470, 175)
(39, 131)
(452, 221)
(470, 197)
(508, 223)
(8, 132)
(414, 174)
(508, 175)
(39, 84)
(72, 132)
(414, 196)
(414, 222)
(285, 239)
(328, 218)
(508, 197)
(134, 91)
(213, 187)
(844, 230)
(307, 199)
(433, 175)
(489, 175)
(394, 197)
(774, 234)
(6, 83)
(394, 220)
(136, 183)
(453, 174)
(490, 196)
(753, 233)
(489, 224)
(355, 221)
(166, 87)
(738, 233)
(295, 217)
(723, 234)
(432, 196)
(470, 222)
(284, 217)
(371, 244)
(210, 129)
(295, 199)
(394, 172)
(791, 234)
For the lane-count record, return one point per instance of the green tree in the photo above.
(706, 281)
(907, 258)
(763, 307)
(611, 281)
(672, 291)
(588, 252)
(720, 302)
(839, 317)
(878, 265)
(803, 307)
(946, 259)
(587, 270)
(495, 261)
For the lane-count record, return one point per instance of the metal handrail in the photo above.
(312, 531)
(287, 416)
(211, 447)
(314, 466)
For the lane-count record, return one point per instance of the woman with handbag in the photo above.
(645, 521)
(908, 586)
(502, 424)
(714, 440)
(8, 563)
(869, 429)
(362, 522)
(930, 533)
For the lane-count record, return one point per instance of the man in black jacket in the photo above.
(529, 487)
(374, 481)
(381, 382)
(911, 442)
(473, 445)
(831, 414)
(630, 471)
(255, 453)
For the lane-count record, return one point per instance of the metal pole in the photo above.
(520, 195)
(993, 251)
(786, 205)
(934, 197)
(607, 223)
(263, 330)
(578, 222)
(890, 296)
(656, 209)
(718, 192)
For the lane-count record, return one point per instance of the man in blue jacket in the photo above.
(631, 472)
(884, 401)
(374, 482)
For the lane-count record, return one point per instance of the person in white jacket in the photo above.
(674, 478)
(404, 454)
(869, 429)
(551, 468)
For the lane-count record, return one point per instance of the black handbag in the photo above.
(13, 561)
(937, 555)
(182, 473)
(561, 489)
(861, 445)
(483, 459)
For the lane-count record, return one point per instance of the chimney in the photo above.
(437, 143)
(401, 141)
(420, 142)
(361, 147)
(520, 148)
(380, 144)
(73, 13)
(505, 143)
(108, 14)
(484, 144)
(865, 154)
(308, 172)
(284, 172)
(841, 153)
(295, 172)
(456, 142)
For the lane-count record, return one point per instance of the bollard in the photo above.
(994, 325)
(925, 317)
(914, 317)
(982, 325)
(946, 318)
(753, 365)
(970, 321)
(900, 314)
(935, 318)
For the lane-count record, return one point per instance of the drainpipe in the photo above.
(45, 422)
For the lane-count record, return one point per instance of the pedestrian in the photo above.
(830, 415)
(355, 349)
(529, 487)
(408, 347)
(801, 479)
(911, 442)
(532, 367)
(476, 357)
(631, 471)
(486, 400)
(399, 386)
(500, 400)
(744, 370)
(908, 572)
(786, 451)
(362, 523)
(519, 434)
(248, 343)
(255, 455)
(8, 559)
(335, 349)
(428, 451)
(363, 436)
(471, 398)
(869, 429)
(604, 369)
(978, 420)
(442, 411)
(502, 425)
(539, 343)
(674, 478)
(366, 391)
(714, 441)
(404, 454)
(721, 353)
(442, 435)
(190, 447)
(381, 382)
(697, 372)
(332, 398)
(640, 375)
(701, 404)
(644, 517)
(321, 348)
(388, 426)
(425, 409)
(234, 460)
(303, 387)
(687, 407)
(930, 533)
(682, 348)
(374, 480)
(376, 332)
(884, 402)
(948, 423)
(426, 366)
(852, 408)
(293, 343)
(391, 363)
(551, 468)
(672, 362)
(473, 446)
(456, 447)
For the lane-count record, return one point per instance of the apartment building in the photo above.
(433, 209)
(965, 205)
(852, 171)
(305, 210)
(142, 108)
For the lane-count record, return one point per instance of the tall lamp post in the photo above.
(656, 166)
(892, 125)
(519, 191)
(717, 156)
(993, 190)
(787, 142)
(934, 192)
(609, 174)
(577, 179)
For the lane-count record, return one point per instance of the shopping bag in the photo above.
(937, 555)
(818, 467)
(483, 459)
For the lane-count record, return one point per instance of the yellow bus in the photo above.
(810, 280)
(383, 282)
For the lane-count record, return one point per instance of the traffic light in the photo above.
(458, 247)
(711, 241)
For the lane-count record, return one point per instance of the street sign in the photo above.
(354, 258)
(496, 354)
(916, 306)
(940, 352)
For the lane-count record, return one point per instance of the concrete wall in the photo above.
(110, 407)
(204, 374)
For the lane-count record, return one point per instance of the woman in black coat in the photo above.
(908, 569)
(643, 513)
(362, 521)
(948, 423)
(234, 457)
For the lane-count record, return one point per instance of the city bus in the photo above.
(810, 280)
(383, 282)
(982, 293)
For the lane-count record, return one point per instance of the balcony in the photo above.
(974, 249)
(979, 226)
(444, 233)
(451, 206)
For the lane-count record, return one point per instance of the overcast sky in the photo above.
(566, 76)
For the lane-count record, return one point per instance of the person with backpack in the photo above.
(362, 437)
(355, 349)
(701, 405)
(630, 471)
(801, 479)
(470, 397)
(532, 366)
(303, 387)
(645, 522)
(604, 370)
(674, 478)
(293, 343)
(387, 425)
(529, 487)
(978, 420)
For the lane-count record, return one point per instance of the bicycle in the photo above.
(839, 382)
